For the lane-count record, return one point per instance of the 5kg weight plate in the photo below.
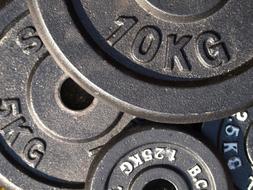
(50, 127)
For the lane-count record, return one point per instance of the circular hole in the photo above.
(74, 97)
(160, 184)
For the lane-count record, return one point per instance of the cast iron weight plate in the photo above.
(156, 158)
(233, 137)
(168, 61)
(3, 3)
(47, 137)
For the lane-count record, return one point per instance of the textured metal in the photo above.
(46, 141)
(168, 61)
(137, 160)
(232, 136)
(4, 3)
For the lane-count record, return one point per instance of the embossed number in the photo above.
(29, 41)
(146, 44)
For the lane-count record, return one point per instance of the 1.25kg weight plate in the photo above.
(168, 61)
(156, 158)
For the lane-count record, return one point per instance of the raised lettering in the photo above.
(232, 131)
(123, 25)
(146, 44)
(201, 184)
(241, 116)
(147, 155)
(230, 147)
(176, 55)
(171, 154)
(136, 159)
(234, 163)
(117, 188)
(29, 41)
(250, 186)
(12, 131)
(196, 170)
(127, 168)
(159, 153)
(34, 151)
(9, 107)
(212, 51)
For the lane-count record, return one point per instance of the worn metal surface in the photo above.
(232, 136)
(50, 129)
(180, 63)
(168, 61)
(4, 3)
(137, 160)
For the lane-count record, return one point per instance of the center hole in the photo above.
(160, 184)
(74, 97)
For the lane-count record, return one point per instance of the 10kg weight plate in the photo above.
(168, 61)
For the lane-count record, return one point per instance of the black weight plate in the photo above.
(182, 62)
(157, 158)
(232, 136)
(50, 129)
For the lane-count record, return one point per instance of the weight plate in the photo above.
(3, 3)
(166, 61)
(156, 158)
(233, 138)
(50, 129)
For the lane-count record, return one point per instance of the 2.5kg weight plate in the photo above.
(168, 61)
(233, 137)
